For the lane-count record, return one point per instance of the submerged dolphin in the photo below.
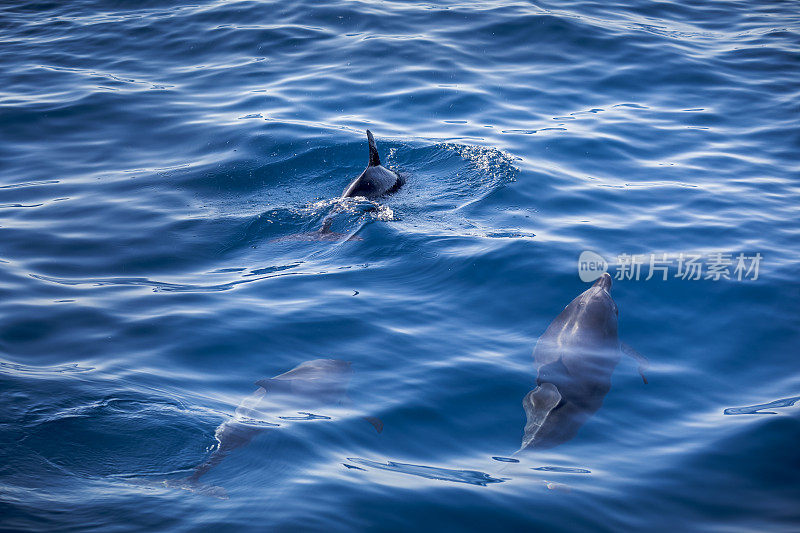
(309, 385)
(376, 180)
(575, 359)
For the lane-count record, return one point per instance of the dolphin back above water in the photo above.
(376, 180)
(575, 358)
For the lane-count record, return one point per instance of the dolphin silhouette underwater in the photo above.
(309, 385)
(575, 358)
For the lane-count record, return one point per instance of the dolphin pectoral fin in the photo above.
(642, 360)
(538, 404)
(376, 422)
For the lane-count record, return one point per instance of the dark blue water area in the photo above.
(165, 167)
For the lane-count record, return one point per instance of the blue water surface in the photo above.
(161, 164)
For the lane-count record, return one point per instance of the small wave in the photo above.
(17, 206)
(305, 416)
(471, 477)
(109, 436)
(92, 75)
(563, 469)
(7, 367)
(159, 286)
(353, 206)
(759, 409)
(491, 162)
(24, 184)
(509, 235)
(254, 422)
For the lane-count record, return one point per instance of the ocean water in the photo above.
(163, 164)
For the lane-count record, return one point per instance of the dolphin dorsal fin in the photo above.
(374, 158)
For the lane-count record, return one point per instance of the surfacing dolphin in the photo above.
(575, 358)
(376, 180)
(309, 385)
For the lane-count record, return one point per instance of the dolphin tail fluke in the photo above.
(374, 158)
(642, 360)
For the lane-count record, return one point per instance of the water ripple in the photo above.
(167, 167)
